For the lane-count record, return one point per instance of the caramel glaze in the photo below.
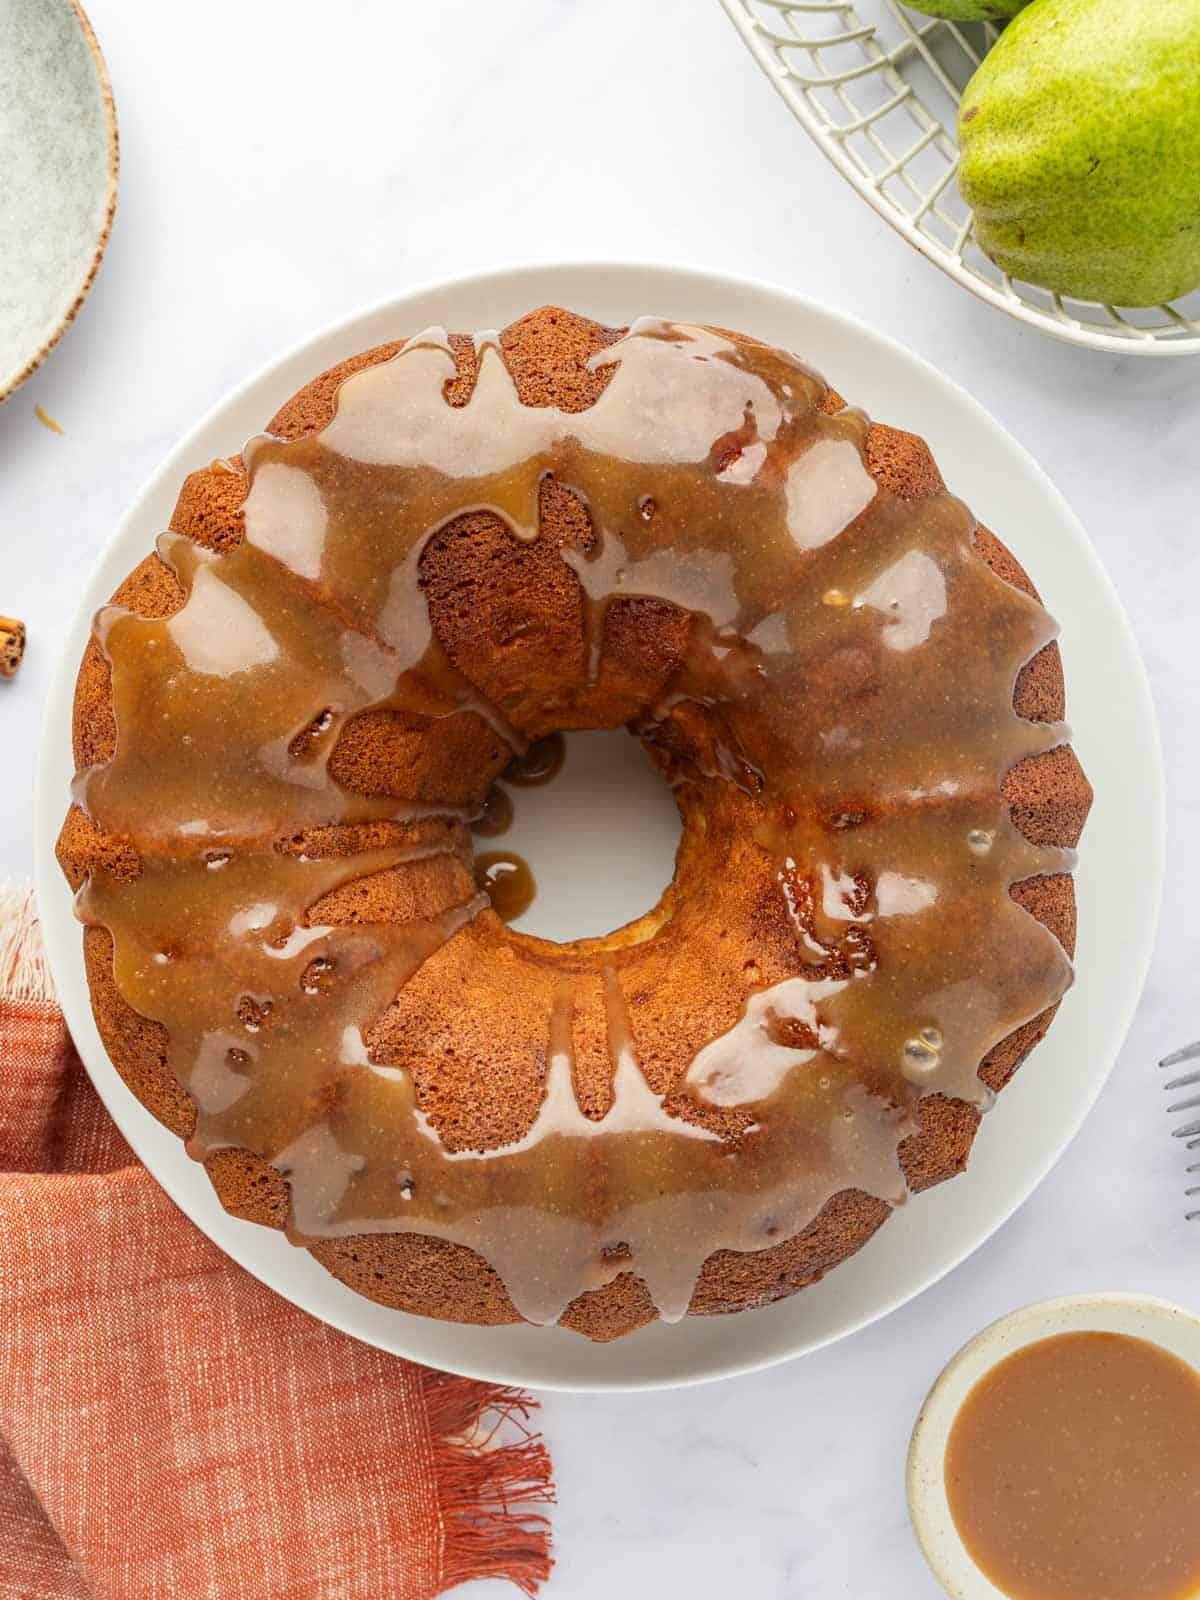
(720, 494)
(496, 815)
(508, 882)
(538, 764)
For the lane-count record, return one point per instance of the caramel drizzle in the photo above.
(507, 880)
(855, 662)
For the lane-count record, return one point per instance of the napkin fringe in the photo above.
(488, 1482)
(491, 1468)
(24, 970)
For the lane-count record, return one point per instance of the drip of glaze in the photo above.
(507, 881)
(828, 690)
(541, 762)
(496, 816)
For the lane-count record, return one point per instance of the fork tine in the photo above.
(1191, 1130)
(1190, 1052)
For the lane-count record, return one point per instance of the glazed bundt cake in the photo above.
(441, 551)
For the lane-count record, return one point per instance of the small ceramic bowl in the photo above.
(1139, 1316)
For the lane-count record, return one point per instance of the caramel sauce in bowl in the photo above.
(1058, 1372)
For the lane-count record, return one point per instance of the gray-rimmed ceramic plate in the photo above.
(1114, 732)
(58, 176)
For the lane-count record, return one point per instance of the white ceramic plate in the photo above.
(1138, 1316)
(1115, 735)
(58, 154)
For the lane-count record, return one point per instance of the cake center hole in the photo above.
(599, 838)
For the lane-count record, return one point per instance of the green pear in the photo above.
(968, 10)
(1080, 140)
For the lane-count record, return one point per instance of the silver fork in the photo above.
(1191, 1130)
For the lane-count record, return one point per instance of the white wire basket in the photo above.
(877, 86)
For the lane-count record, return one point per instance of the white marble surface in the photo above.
(279, 169)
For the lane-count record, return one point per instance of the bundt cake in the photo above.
(442, 550)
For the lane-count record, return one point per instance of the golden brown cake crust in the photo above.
(547, 353)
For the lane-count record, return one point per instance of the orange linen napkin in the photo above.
(171, 1428)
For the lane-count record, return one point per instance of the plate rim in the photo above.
(544, 282)
(16, 379)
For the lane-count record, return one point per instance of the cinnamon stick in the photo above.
(12, 645)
